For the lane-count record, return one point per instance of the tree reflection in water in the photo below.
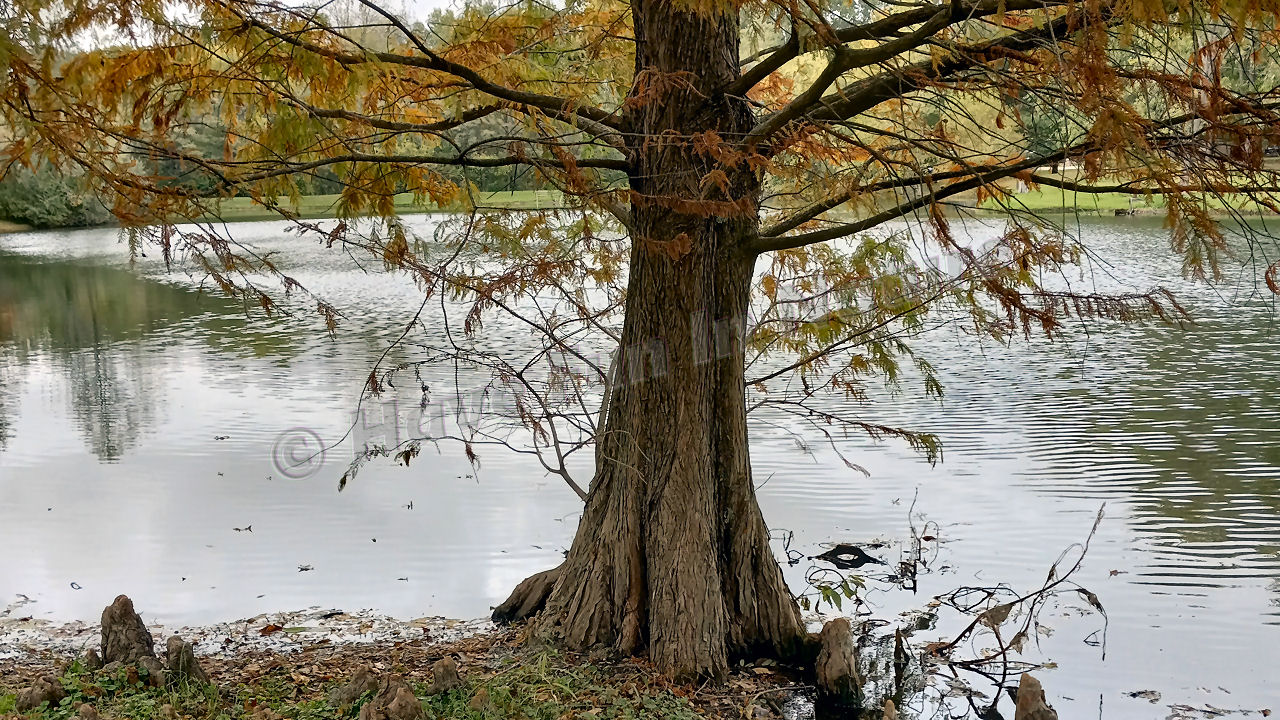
(83, 317)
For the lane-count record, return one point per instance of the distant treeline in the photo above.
(44, 197)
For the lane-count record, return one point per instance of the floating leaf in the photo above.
(1018, 641)
(995, 617)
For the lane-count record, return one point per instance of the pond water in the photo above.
(142, 420)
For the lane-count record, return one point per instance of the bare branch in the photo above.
(595, 120)
(896, 83)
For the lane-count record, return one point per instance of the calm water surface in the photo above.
(138, 419)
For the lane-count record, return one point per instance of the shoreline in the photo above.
(25, 639)
(259, 214)
(321, 207)
(340, 664)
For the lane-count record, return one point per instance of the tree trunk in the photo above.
(672, 554)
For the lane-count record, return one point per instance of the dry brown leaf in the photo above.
(995, 617)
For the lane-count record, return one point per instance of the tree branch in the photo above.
(885, 27)
(843, 60)
(872, 91)
(1130, 189)
(813, 210)
(395, 126)
(762, 243)
(596, 120)
(506, 161)
(1247, 105)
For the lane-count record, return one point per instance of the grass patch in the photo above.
(1048, 199)
(503, 680)
(546, 687)
(124, 694)
(543, 686)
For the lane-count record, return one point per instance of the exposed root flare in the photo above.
(529, 597)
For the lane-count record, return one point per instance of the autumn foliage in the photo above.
(757, 204)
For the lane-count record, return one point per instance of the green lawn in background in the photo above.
(324, 206)
(1047, 198)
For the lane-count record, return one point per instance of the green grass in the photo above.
(532, 686)
(325, 206)
(1048, 199)
(118, 696)
(544, 688)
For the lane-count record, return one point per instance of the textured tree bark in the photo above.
(839, 681)
(528, 598)
(180, 657)
(125, 638)
(672, 553)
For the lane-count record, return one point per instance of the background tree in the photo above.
(43, 198)
(727, 217)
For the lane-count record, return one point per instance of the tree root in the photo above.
(529, 597)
